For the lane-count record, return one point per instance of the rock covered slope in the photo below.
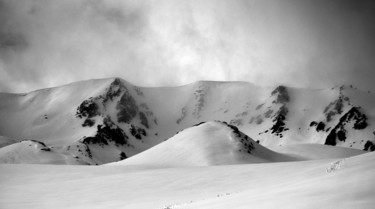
(107, 120)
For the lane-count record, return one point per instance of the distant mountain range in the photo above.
(108, 120)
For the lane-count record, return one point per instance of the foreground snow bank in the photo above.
(304, 184)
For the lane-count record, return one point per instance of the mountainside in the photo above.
(107, 120)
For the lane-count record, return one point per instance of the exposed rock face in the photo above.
(123, 156)
(282, 98)
(199, 97)
(369, 146)
(279, 118)
(88, 109)
(336, 107)
(137, 132)
(106, 133)
(282, 95)
(319, 126)
(127, 107)
(339, 132)
(114, 90)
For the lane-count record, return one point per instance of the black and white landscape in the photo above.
(180, 104)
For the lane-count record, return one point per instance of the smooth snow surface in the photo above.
(316, 151)
(330, 183)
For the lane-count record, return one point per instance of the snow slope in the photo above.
(329, 183)
(316, 151)
(210, 143)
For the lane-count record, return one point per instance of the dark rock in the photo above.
(115, 90)
(339, 131)
(137, 132)
(107, 132)
(331, 139)
(88, 122)
(127, 107)
(335, 108)
(199, 123)
(123, 156)
(282, 95)
(199, 97)
(279, 119)
(313, 123)
(369, 146)
(341, 135)
(87, 108)
(320, 126)
(39, 142)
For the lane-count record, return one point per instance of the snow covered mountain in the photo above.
(107, 120)
(206, 144)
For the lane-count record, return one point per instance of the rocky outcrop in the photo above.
(319, 126)
(107, 132)
(336, 107)
(279, 121)
(127, 108)
(199, 95)
(88, 109)
(369, 146)
(115, 89)
(137, 132)
(338, 133)
(281, 94)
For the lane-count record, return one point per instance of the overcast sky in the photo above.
(311, 43)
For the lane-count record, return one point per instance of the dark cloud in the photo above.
(310, 43)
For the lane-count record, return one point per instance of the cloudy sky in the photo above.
(309, 43)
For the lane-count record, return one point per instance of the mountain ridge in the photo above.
(116, 119)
